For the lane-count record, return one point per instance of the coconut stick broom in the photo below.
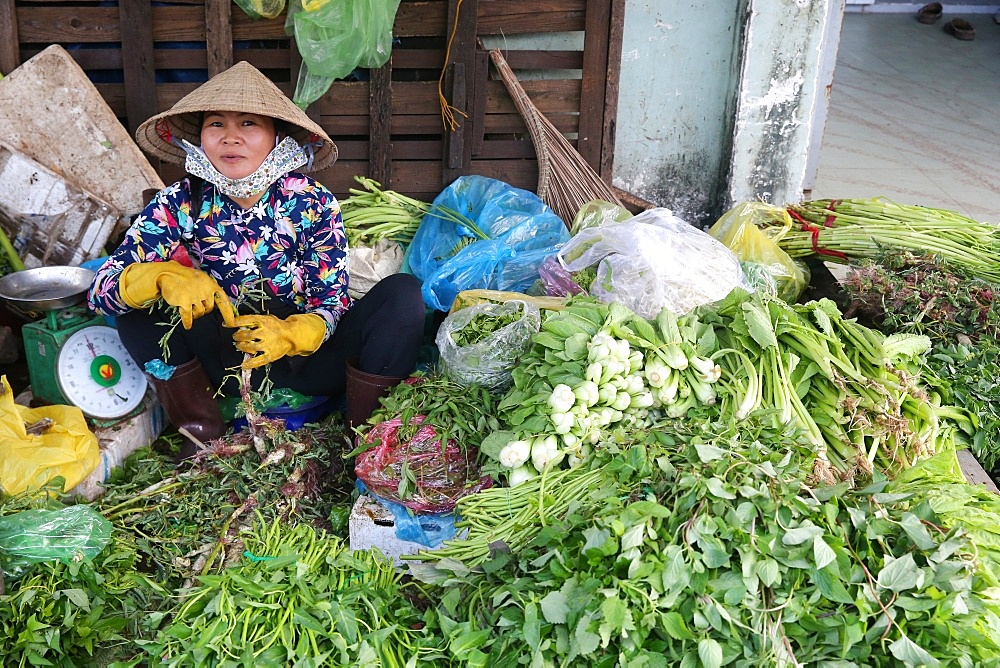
(565, 180)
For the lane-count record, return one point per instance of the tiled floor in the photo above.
(915, 115)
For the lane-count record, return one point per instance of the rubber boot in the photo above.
(187, 398)
(363, 393)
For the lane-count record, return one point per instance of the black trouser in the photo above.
(384, 330)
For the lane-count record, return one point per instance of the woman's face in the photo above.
(235, 142)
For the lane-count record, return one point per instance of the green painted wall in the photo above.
(680, 66)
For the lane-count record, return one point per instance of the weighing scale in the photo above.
(72, 356)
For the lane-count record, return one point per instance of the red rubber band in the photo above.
(808, 227)
(833, 214)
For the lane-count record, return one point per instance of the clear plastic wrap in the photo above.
(764, 262)
(69, 534)
(598, 212)
(437, 476)
(487, 359)
(654, 261)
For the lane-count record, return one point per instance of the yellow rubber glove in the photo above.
(269, 338)
(194, 293)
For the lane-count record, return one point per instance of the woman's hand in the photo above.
(194, 293)
(269, 338)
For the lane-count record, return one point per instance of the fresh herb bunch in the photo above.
(725, 556)
(922, 294)
(372, 214)
(483, 324)
(967, 376)
(463, 414)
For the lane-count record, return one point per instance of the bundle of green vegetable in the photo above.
(509, 518)
(922, 294)
(851, 229)
(462, 414)
(854, 392)
(595, 368)
(596, 371)
(960, 314)
(298, 597)
(371, 214)
(727, 556)
(189, 523)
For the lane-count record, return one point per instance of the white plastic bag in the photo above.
(654, 261)
(367, 266)
(489, 361)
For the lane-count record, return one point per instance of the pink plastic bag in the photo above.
(557, 281)
(441, 477)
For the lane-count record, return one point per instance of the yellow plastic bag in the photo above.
(262, 9)
(766, 265)
(27, 461)
(467, 298)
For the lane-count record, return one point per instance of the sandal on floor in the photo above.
(961, 29)
(930, 13)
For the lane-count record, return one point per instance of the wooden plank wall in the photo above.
(387, 123)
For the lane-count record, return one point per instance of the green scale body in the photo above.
(42, 342)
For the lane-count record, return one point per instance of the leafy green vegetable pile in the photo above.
(711, 547)
(189, 523)
(754, 483)
(927, 295)
(298, 598)
(596, 371)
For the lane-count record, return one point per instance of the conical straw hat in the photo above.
(240, 88)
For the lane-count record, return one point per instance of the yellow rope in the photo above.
(447, 111)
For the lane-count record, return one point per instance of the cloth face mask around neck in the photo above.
(285, 157)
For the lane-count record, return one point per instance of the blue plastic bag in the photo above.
(428, 530)
(522, 232)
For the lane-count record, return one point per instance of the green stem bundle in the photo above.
(372, 214)
(850, 229)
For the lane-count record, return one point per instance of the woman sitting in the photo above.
(249, 228)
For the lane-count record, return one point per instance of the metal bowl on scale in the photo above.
(45, 288)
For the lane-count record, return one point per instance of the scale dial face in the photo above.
(96, 373)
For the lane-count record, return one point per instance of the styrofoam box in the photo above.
(372, 525)
(48, 220)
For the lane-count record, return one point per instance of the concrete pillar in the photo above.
(779, 90)
(717, 101)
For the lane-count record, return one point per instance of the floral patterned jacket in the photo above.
(292, 241)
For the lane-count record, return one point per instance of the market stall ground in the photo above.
(692, 464)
